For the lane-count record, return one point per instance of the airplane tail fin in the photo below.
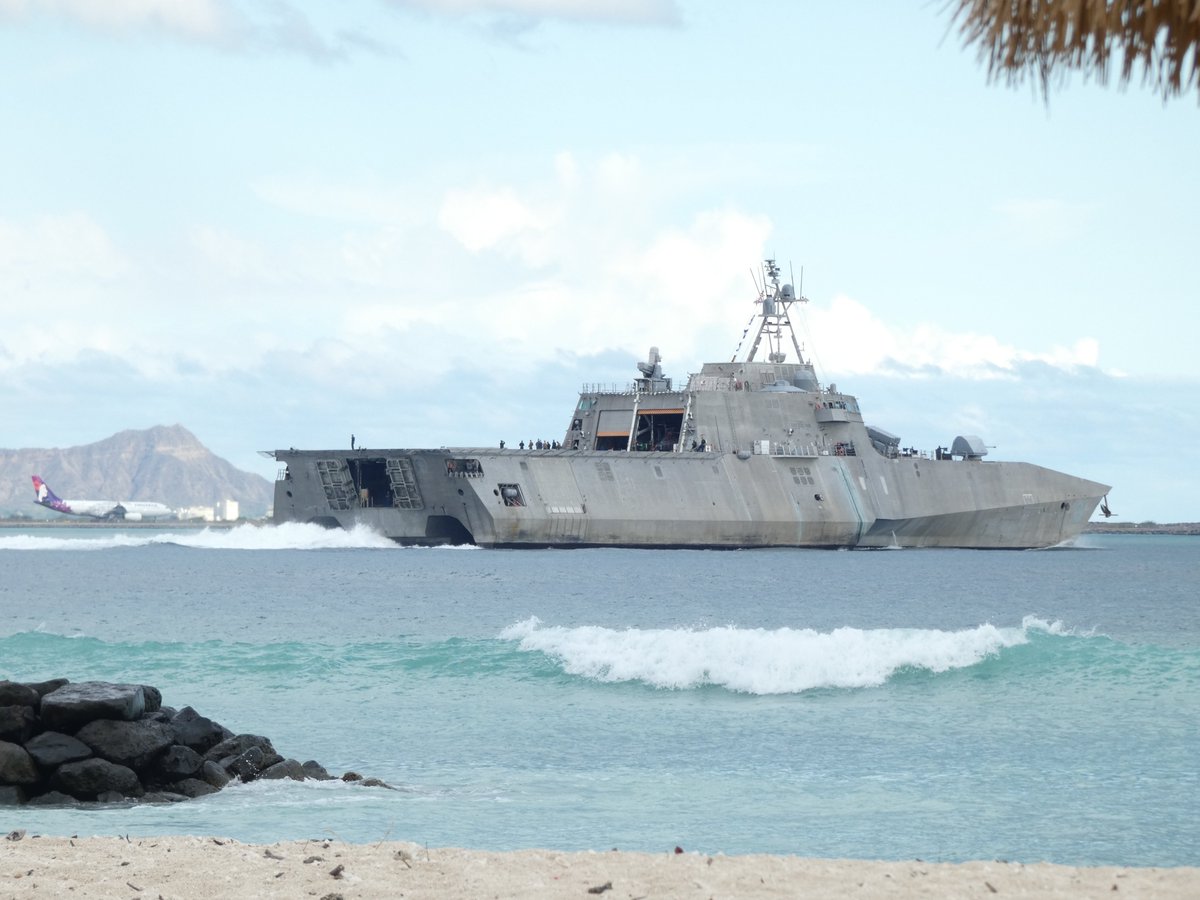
(45, 496)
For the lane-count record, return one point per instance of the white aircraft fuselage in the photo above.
(127, 510)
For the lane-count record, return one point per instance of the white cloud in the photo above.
(636, 12)
(850, 339)
(481, 219)
(55, 245)
(56, 277)
(232, 255)
(581, 260)
(360, 202)
(201, 19)
(230, 25)
(242, 25)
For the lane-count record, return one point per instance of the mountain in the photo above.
(163, 463)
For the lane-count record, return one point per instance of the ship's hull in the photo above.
(568, 498)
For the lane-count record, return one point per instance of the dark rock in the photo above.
(90, 777)
(17, 723)
(248, 766)
(289, 768)
(134, 744)
(233, 747)
(192, 787)
(162, 797)
(351, 776)
(73, 705)
(212, 773)
(53, 748)
(153, 698)
(313, 769)
(244, 755)
(376, 782)
(53, 798)
(65, 744)
(197, 731)
(16, 765)
(47, 687)
(178, 762)
(13, 693)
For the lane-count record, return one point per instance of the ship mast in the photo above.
(774, 319)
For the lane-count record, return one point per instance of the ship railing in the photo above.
(281, 473)
(597, 388)
(784, 448)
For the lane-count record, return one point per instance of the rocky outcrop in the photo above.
(64, 744)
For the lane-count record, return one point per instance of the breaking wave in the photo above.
(761, 661)
(740, 660)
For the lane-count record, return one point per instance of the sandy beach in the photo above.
(194, 867)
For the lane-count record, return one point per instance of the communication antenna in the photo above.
(776, 300)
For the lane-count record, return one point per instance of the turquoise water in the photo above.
(945, 705)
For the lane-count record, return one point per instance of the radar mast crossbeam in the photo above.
(774, 318)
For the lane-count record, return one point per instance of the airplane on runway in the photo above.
(127, 510)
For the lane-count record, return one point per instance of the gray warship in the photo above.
(753, 452)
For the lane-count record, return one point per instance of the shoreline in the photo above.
(153, 525)
(212, 867)
(1187, 528)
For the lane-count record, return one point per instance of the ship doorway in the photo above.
(612, 441)
(658, 429)
(371, 481)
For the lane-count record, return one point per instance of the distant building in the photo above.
(227, 510)
(198, 514)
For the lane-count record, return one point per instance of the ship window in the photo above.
(511, 494)
(464, 468)
(612, 442)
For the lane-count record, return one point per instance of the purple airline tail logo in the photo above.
(47, 497)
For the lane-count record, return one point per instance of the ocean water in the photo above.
(942, 705)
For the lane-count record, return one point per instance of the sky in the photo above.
(430, 222)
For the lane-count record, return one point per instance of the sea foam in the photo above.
(761, 661)
(288, 536)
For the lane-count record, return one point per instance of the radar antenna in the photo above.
(773, 318)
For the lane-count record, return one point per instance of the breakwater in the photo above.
(64, 743)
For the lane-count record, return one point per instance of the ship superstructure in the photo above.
(754, 452)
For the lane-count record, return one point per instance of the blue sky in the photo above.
(428, 222)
